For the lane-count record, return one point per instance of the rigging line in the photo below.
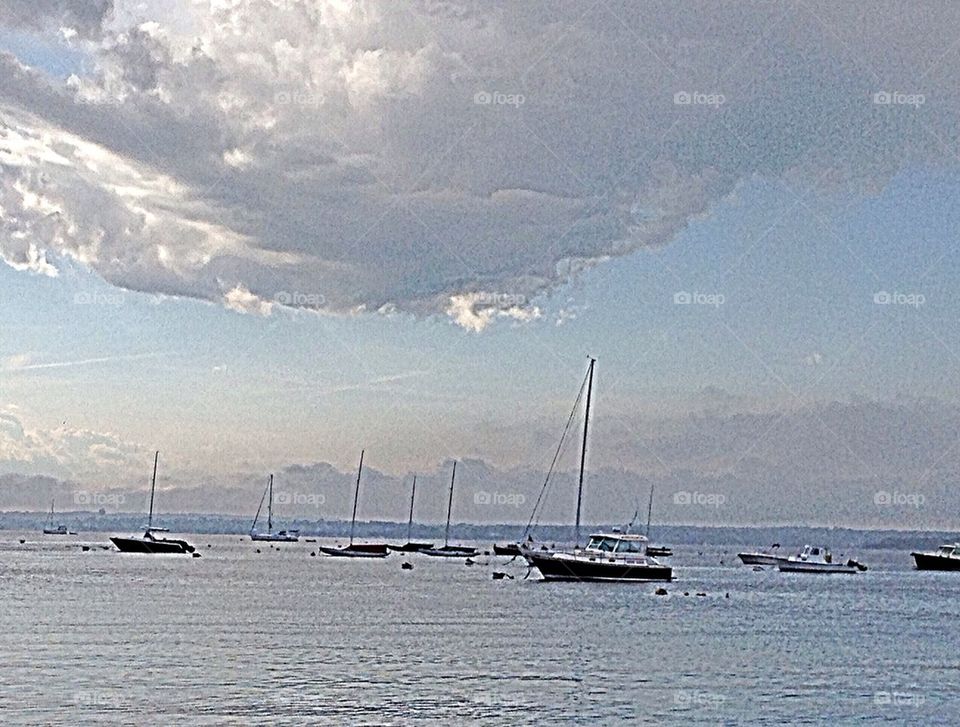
(556, 456)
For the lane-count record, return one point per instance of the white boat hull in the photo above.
(761, 559)
(795, 566)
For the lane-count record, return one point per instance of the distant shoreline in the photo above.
(211, 523)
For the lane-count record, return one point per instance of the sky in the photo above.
(260, 236)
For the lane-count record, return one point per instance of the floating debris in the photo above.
(660, 591)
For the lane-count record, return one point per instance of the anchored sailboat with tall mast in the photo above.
(357, 550)
(148, 543)
(410, 546)
(607, 556)
(281, 536)
(450, 551)
(51, 529)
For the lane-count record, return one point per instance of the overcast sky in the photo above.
(259, 236)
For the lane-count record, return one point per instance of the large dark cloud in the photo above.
(460, 158)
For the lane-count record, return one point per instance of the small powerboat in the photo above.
(817, 559)
(760, 557)
(946, 557)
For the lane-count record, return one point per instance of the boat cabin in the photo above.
(949, 551)
(815, 554)
(619, 543)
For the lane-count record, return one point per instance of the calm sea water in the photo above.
(237, 637)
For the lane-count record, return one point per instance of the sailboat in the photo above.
(148, 543)
(357, 550)
(607, 556)
(60, 529)
(450, 551)
(410, 546)
(657, 551)
(281, 536)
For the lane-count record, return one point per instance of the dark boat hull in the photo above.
(357, 551)
(451, 551)
(160, 545)
(932, 561)
(659, 551)
(556, 569)
(506, 549)
(411, 547)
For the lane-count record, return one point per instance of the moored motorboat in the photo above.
(506, 549)
(946, 557)
(608, 556)
(759, 557)
(148, 542)
(816, 559)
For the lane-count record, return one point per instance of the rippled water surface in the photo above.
(237, 636)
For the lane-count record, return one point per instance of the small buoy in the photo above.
(208, 545)
(313, 554)
(258, 550)
(196, 555)
(22, 541)
(407, 566)
(686, 593)
(727, 595)
(661, 591)
(468, 561)
(701, 595)
(85, 548)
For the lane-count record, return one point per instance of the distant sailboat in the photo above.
(410, 546)
(50, 529)
(450, 551)
(147, 543)
(281, 536)
(357, 550)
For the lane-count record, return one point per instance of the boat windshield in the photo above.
(607, 545)
(631, 546)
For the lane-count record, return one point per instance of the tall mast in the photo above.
(649, 511)
(583, 450)
(259, 508)
(446, 534)
(153, 489)
(356, 496)
(413, 494)
(270, 505)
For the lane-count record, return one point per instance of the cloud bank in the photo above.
(457, 158)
